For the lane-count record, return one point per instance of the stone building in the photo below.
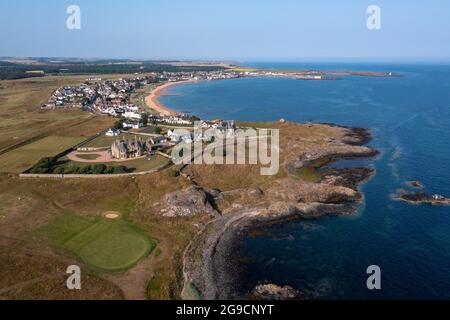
(127, 149)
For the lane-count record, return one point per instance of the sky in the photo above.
(226, 29)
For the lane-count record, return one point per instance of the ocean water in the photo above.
(410, 121)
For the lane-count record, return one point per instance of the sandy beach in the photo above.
(152, 100)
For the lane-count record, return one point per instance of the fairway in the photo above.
(103, 244)
(22, 158)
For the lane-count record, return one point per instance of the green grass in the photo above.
(20, 159)
(104, 141)
(88, 156)
(106, 245)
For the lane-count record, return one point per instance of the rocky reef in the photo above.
(273, 292)
(422, 198)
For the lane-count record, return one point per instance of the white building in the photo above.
(132, 125)
(112, 132)
(132, 115)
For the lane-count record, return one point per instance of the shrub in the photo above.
(44, 165)
(59, 170)
(98, 169)
(86, 170)
(76, 170)
(39, 170)
(120, 169)
(109, 170)
(174, 173)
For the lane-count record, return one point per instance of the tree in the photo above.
(44, 165)
(144, 119)
(118, 125)
(158, 130)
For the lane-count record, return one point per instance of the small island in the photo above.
(423, 198)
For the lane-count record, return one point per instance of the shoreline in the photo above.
(211, 265)
(152, 100)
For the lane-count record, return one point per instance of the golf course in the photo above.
(105, 245)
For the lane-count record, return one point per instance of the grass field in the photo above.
(107, 245)
(104, 141)
(22, 158)
(22, 120)
(89, 156)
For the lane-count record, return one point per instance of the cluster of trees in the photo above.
(93, 169)
(49, 165)
(44, 165)
(10, 71)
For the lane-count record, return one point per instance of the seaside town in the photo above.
(113, 98)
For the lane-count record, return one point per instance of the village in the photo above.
(140, 135)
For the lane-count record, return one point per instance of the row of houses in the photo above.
(182, 119)
(95, 93)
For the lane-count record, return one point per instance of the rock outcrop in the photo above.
(187, 203)
(296, 191)
(274, 292)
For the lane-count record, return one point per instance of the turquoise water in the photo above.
(410, 122)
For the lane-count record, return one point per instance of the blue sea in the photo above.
(410, 122)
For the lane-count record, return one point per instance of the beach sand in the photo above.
(152, 101)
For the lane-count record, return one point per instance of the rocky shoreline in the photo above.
(211, 265)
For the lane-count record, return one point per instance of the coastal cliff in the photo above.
(210, 262)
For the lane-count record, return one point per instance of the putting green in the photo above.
(107, 245)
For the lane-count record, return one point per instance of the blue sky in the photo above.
(231, 29)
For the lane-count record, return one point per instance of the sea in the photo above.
(327, 258)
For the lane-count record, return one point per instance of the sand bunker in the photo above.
(111, 215)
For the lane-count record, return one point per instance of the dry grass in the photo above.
(22, 120)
